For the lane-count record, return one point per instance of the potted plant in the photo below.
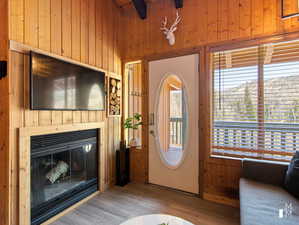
(133, 123)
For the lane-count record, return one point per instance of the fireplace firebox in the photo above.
(64, 170)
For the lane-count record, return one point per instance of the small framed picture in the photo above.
(114, 96)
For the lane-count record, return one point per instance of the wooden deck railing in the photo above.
(281, 139)
(176, 131)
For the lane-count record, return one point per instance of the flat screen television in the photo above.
(60, 85)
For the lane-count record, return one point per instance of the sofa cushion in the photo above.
(263, 171)
(260, 204)
(292, 176)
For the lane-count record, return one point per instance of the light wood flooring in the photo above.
(121, 203)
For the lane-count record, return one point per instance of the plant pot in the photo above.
(134, 142)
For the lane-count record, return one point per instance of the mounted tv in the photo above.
(60, 85)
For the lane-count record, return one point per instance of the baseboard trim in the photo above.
(221, 199)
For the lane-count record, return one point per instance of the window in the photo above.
(133, 98)
(256, 101)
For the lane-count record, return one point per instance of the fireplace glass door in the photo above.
(62, 171)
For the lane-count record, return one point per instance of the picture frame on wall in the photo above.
(114, 96)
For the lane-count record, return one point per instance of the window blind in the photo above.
(256, 101)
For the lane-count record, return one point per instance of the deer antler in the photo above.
(169, 32)
(176, 22)
(164, 24)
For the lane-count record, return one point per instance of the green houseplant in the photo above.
(134, 123)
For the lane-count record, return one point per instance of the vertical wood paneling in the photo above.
(212, 20)
(110, 36)
(17, 20)
(31, 22)
(245, 18)
(257, 17)
(45, 118)
(67, 117)
(56, 117)
(44, 20)
(77, 117)
(84, 31)
(269, 17)
(104, 57)
(56, 29)
(223, 19)
(66, 27)
(71, 28)
(16, 120)
(234, 19)
(203, 22)
(92, 32)
(99, 33)
(84, 117)
(110, 149)
(92, 116)
(76, 29)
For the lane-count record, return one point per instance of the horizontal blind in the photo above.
(256, 101)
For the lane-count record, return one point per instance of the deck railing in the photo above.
(273, 138)
(176, 131)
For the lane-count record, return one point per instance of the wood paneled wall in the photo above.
(83, 30)
(4, 114)
(203, 22)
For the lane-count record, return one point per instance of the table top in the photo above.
(156, 219)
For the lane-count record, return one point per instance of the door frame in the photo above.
(201, 51)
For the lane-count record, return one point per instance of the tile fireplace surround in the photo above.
(25, 163)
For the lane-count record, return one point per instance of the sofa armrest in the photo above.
(264, 171)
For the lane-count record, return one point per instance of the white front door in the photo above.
(173, 108)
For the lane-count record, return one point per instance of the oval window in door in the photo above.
(172, 121)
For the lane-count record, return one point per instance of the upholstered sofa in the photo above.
(263, 200)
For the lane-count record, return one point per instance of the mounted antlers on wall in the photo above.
(169, 33)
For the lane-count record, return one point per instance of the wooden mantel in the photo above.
(24, 158)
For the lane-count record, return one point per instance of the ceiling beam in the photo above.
(141, 7)
(178, 4)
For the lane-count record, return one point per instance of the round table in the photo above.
(156, 219)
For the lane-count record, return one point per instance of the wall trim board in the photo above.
(218, 46)
(228, 45)
(24, 159)
(25, 49)
(168, 54)
(221, 199)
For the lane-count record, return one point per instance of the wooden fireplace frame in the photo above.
(24, 169)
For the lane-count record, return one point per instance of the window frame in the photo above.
(208, 70)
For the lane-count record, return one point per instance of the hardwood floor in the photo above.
(119, 204)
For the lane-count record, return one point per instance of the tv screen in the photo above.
(59, 85)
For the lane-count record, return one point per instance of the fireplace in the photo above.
(64, 170)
